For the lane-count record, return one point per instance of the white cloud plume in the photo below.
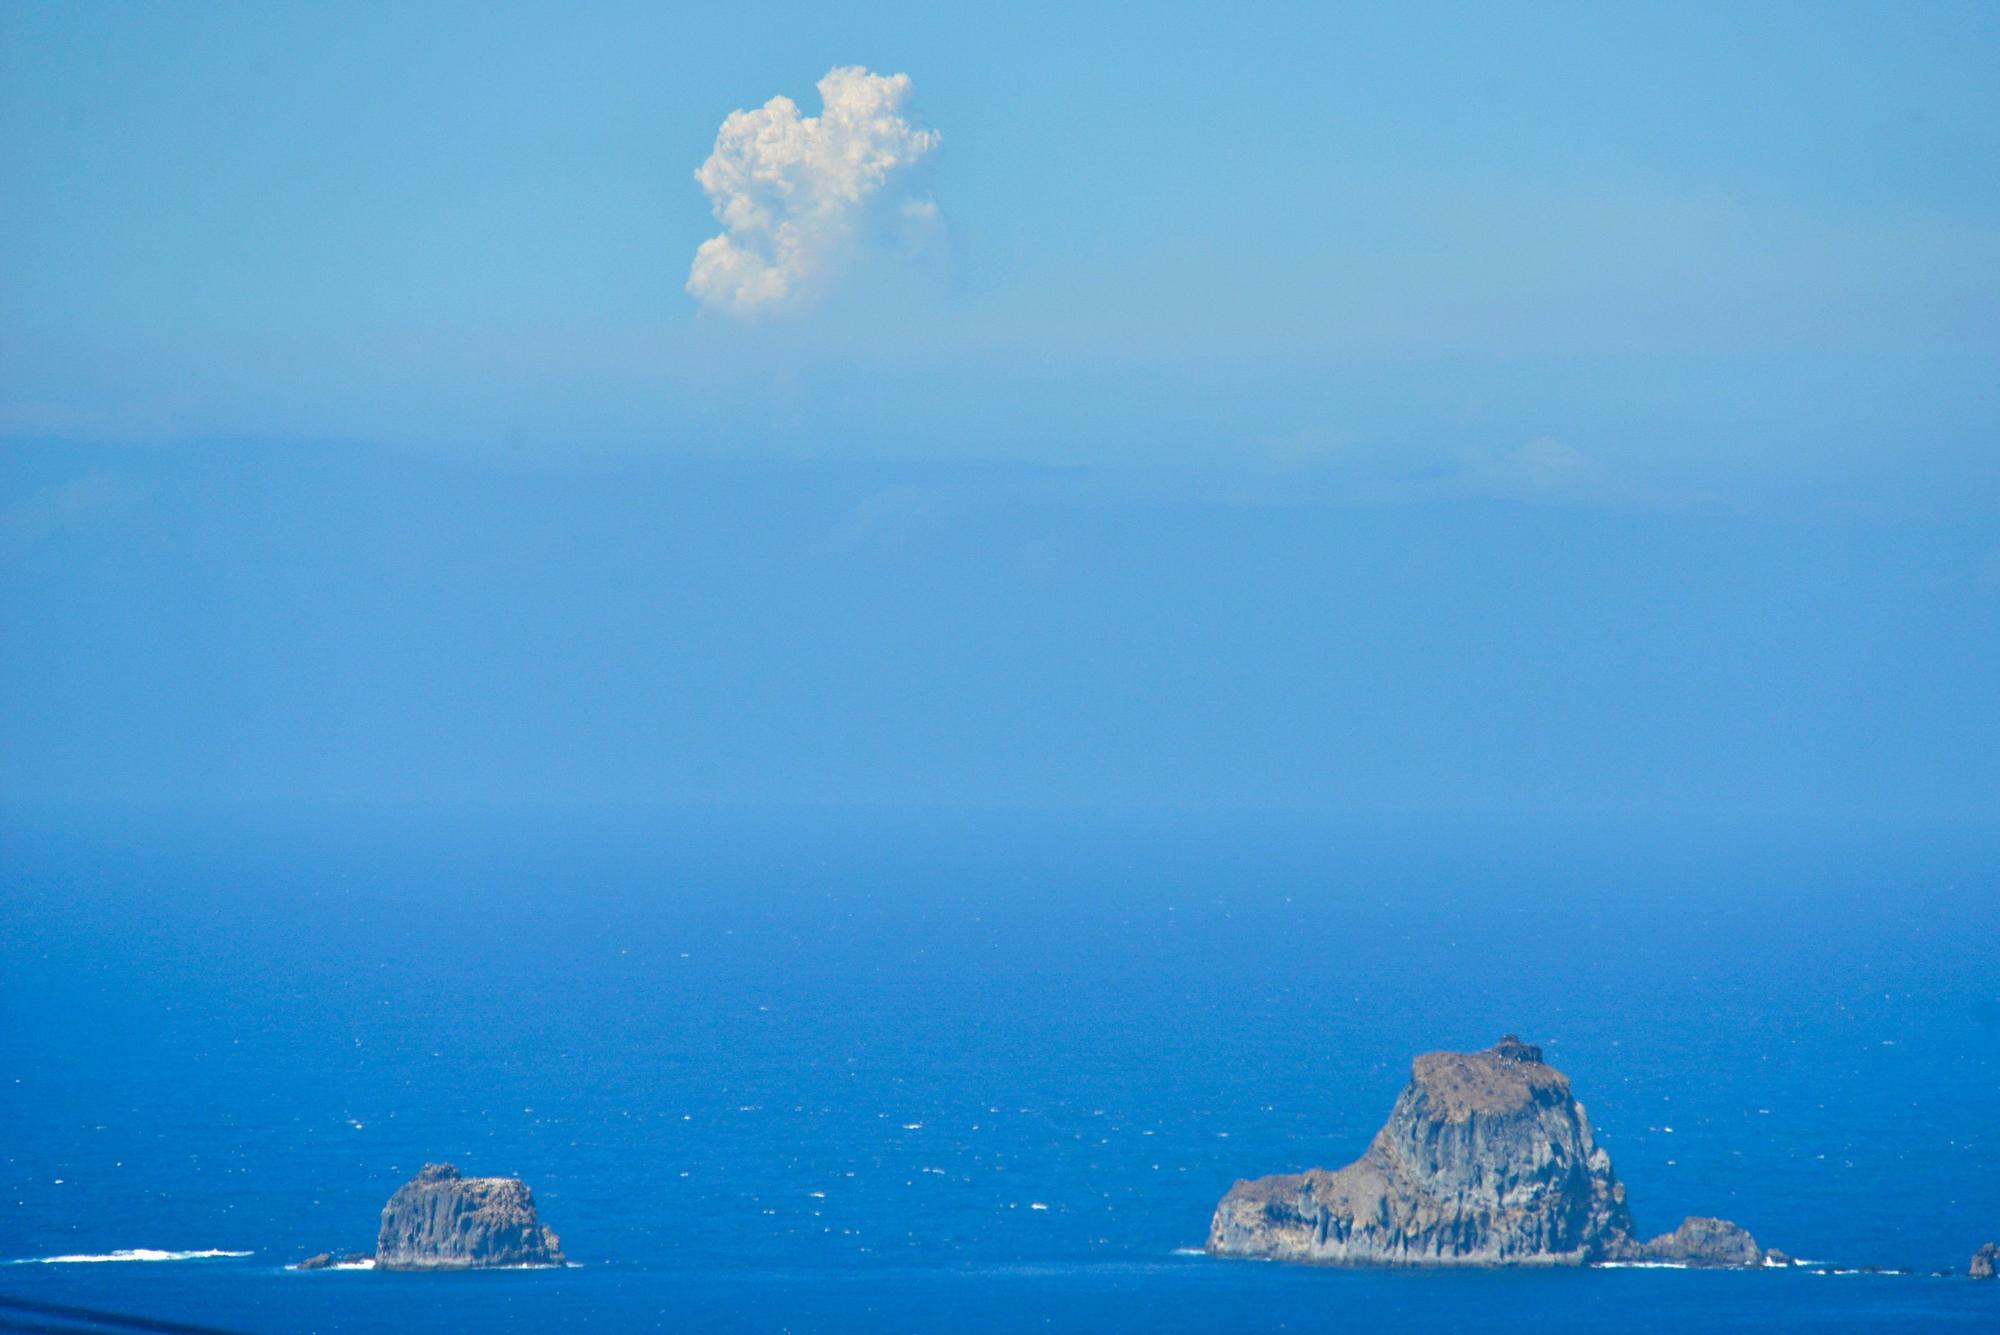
(793, 192)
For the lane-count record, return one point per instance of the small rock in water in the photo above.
(1985, 1261)
(1701, 1241)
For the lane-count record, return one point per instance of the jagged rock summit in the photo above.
(1985, 1261)
(1486, 1159)
(439, 1220)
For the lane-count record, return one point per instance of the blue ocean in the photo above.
(874, 1070)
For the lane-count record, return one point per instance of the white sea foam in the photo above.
(1642, 1265)
(358, 1263)
(128, 1254)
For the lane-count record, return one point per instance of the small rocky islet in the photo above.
(1487, 1159)
(443, 1220)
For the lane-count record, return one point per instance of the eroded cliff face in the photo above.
(1486, 1159)
(439, 1220)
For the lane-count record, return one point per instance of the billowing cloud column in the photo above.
(793, 193)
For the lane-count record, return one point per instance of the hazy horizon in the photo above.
(1430, 408)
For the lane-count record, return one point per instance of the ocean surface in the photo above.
(917, 1071)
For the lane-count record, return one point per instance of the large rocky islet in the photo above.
(1487, 1158)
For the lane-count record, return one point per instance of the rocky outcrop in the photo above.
(1701, 1241)
(1985, 1261)
(328, 1261)
(439, 1220)
(1486, 1159)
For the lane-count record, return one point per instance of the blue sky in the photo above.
(1687, 316)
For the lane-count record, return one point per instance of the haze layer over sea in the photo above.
(840, 1070)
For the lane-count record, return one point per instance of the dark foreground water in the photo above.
(823, 1071)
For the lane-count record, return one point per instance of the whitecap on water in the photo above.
(128, 1254)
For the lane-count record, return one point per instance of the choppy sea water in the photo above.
(910, 1071)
